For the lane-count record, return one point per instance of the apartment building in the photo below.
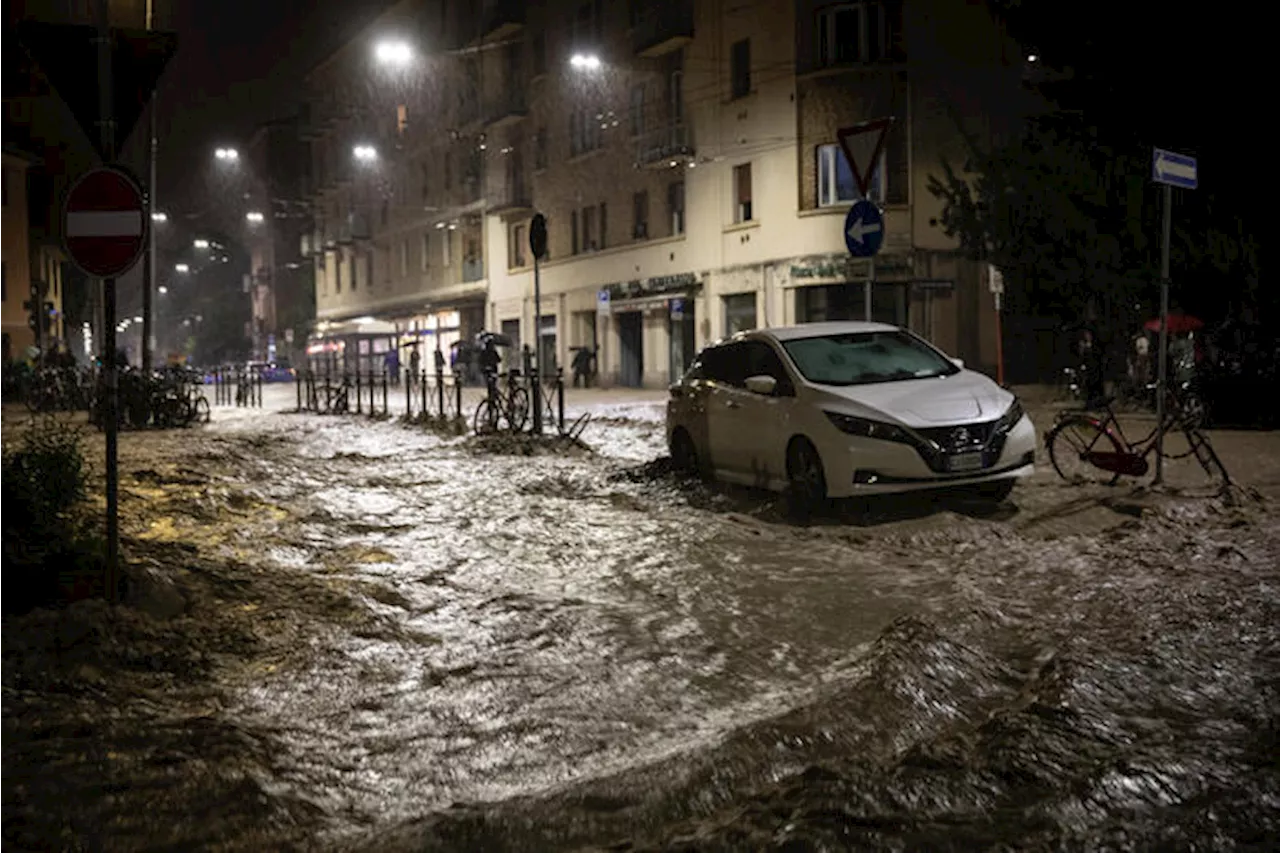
(685, 156)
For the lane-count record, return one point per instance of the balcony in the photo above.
(501, 19)
(665, 147)
(473, 270)
(663, 28)
(512, 198)
(506, 108)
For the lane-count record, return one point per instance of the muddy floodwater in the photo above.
(357, 635)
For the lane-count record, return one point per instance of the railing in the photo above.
(473, 270)
(664, 143)
(663, 28)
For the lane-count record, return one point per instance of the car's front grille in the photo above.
(958, 438)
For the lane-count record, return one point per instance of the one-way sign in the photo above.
(1176, 170)
(863, 229)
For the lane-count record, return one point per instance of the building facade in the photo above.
(686, 159)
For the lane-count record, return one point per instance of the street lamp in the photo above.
(585, 61)
(254, 217)
(200, 244)
(365, 153)
(163, 290)
(159, 216)
(182, 268)
(396, 53)
(228, 154)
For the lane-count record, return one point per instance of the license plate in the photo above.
(965, 461)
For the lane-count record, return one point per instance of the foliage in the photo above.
(1068, 212)
(44, 484)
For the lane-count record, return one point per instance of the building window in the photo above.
(445, 260)
(589, 234)
(640, 216)
(836, 184)
(515, 247)
(338, 262)
(739, 313)
(426, 250)
(742, 193)
(402, 118)
(448, 170)
(675, 205)
(539, 50)
(584, 131)
(637, 109)
(424, 187)
(858, 32)
(540, 149)
(604, 225)
(404, 258)
(740, 68)
(577, 242)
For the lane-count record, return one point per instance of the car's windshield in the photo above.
(861, 358)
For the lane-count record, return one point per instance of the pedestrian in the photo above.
(1141, 359)
(439, 361)
(581, 365)
(1091, 361)
(415, 363)
(490, 359)
(391, 363)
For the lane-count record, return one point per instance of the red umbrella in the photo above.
(1179, 324)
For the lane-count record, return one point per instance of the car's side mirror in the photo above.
(958, 362)
(765, 385)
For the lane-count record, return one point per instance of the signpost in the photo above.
(104, 222)
(863, 144)
(603, 306)
(1172, 170)
(538, 246)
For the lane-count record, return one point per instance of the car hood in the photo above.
(964, 397)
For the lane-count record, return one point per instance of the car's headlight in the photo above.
(870, 429)
(1010, 418)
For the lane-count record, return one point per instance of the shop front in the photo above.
(350, 345)
(656, 329)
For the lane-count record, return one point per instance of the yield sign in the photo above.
(103, 223)
(863, 143)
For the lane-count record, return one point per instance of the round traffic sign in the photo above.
(863, 229)
(538, 236)
(103, 222)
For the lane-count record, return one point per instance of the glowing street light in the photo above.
(163, 290)
(159, 216)
(254, 217)
(228, 154)
(365, 153)
(138, 319)
(182, 268)
(585, 61)
(393, 53)
(1032, 58)
(200, 244)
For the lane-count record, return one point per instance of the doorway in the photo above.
(682, 337)
(631, 341)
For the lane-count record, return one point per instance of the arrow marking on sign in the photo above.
(1166, 167)
(861, 227)
(105, 223)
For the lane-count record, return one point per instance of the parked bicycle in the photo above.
(1084, 447)
(507, 402)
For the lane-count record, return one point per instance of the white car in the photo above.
(844, 409)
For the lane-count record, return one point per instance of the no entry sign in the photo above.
(104, 223)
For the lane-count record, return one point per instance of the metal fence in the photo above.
(237, 386)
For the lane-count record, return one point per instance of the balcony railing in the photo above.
(659, 147)
(500, 19)
(473, 270)
(511, 196)
(508, 107)
(665, 27)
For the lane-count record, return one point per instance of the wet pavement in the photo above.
(362, 635)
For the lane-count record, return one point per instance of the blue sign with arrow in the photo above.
(864, 229)
(1176, 170)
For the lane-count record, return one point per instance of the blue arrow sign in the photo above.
(1176, 170)
(863, 229)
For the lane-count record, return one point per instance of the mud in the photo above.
(353, 635)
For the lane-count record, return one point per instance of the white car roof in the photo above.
(809, 330)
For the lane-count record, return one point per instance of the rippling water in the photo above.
(393, 640)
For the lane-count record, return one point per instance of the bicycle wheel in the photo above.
(518, 409)
(486, 418)
(1067, 443)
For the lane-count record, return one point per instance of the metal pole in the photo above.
(871, 283)
(999, 342)
(107, 131)
(535, 381)
(1162, 367)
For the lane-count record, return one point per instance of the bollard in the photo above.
(439, 388)
(373, 386)
(297, 387)
(457, 394)
(560, 399)
(408, 394)
(359, 392)
(384, 392)
(260, 388)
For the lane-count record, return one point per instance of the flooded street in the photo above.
(360, 635)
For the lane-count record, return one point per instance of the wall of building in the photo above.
(16, 235)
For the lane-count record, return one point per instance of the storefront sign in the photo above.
(326, 346)
(653, 286)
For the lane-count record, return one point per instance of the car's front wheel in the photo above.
(684, 454)
(805, 476)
